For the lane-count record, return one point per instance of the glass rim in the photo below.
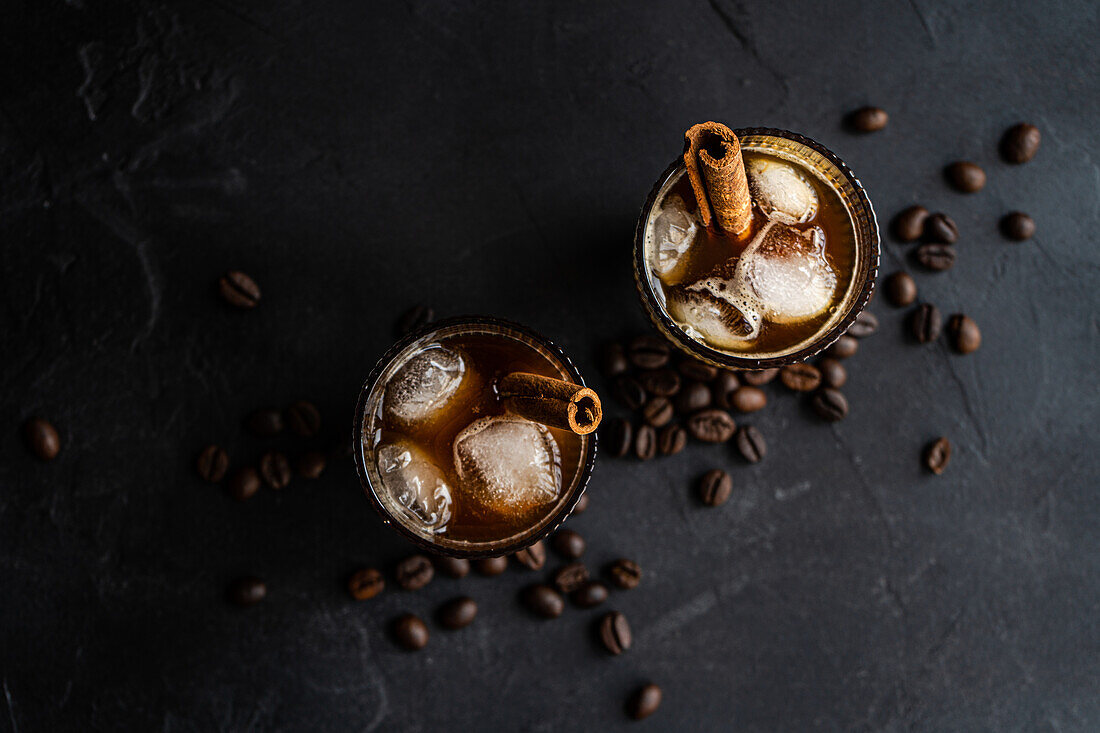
(699, 350)
(577, 488)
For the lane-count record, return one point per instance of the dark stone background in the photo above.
(359, 157)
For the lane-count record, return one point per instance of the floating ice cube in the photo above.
(781, 190)
(424, 384)
(507, 465)
(671, 235)
(785, 273)
(416, 483)
(724, 322)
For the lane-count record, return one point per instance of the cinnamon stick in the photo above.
(552, 402)
(712, 154)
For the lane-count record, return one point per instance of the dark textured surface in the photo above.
(358, 157)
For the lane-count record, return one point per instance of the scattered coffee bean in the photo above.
(533, 557)
(42, 439)
(571, 577)
(615, 632)
(625, 573)
(452, 567)
(660, 382)
(671, 440)
(247, 591)
(645, 442)
(697, 370)
(310, 464)
(244, 483)
(925, 323)
(901, 289)
(413, 319)
(964, 333)
(1020, 143)
(693, 397)
(715, 487)
(749, 399)
(844, 347)
(458, 613)
(722, 389)
(266, 422)
(414, 572)
(211, 463)
(568, 544)
(410, 632)
(830, 404)
(833, 373)
(657, 412)
(239, 290)
(800, 377)
(619, 436)
(909, 224)
(711, 426)
(275, 469)
(542, 600)
(491, 566)
(868, 119)
(648, 352)
(589, 595)
(365, 583)
(940, 229)
(866, 324)
(935, 257)
(644, 702)
(1018, 226)
(759, 377)
(613, 360)
(581, 505)
(303, 418)
(750, 444)
(965, 176)
(629, 392)
(937, 454)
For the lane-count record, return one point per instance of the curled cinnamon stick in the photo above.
(552, 402)
(712, 154)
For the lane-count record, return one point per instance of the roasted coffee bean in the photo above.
(964, 333)
(901, 290)
(833, 373)
(618, 435)
(266, 422)
(750, 444)
(715, 487)
(629, 392)
(800, 377)
(760, 377)
(935, 257)
(671, 440)
(909, 224)
(936, 455)
(657, 412)
(568, 544)
(844, 347)
(42, 439)
(452, 567)
(613, 360)
(830, 404)
(413, 319)
(366, 583)
(244, 483)
(542, 600)
(275, 469)
(644, 702)
(697, 370)
(458, 613)
(722, 389)
(410, 632)
(693, 397)
(303, 418)
(1018, 226)
(239, 290)
(247, 591)
(925, 323)
(965, 176)
(211, 463)
(711, 426)
(589, 595)
(310, 464)
(414, 572)
(625, 573)
(1020, 143)
(533, 557)
(615, 632)
(868, 119)
(581, 505)
(490, 566)
(940, 229)
(648, 352)
(749, 399)
(571, 577)
(660, 382)
(645, 442)
(866, 324)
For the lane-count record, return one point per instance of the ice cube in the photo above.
(416, 483)
(785, 273)
(724, 322)
(424, 384)
(507, 465)
(782, 191)
(671, 235)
